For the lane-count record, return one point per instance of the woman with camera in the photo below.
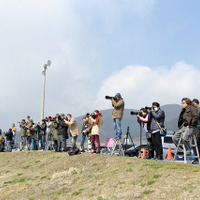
(187, 124)
(97, 121)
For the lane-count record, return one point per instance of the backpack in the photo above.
(72, 152)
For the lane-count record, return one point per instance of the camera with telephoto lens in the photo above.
(148, 108)
(109, 97)
(135, 113)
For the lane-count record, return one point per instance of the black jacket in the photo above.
(9, 136)
(188, 116)
(62, 128)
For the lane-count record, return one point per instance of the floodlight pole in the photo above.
(44, 84)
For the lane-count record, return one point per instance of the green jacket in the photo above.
(198, 123)
(55, 131)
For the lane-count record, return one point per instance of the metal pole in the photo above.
(43, 93)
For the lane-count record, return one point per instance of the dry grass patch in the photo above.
(48, 175)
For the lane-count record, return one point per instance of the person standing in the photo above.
(144, 118)
(22, 126)
(9, 138)
(73, 127)
(84, 132)
(49, 132)
(117, 115)
(55, 135)
(29, 132)
(187, 124)
(14, 129)
(42, 134)
(62, 133)
(157, 119)
(97, 123)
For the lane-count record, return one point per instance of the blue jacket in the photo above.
(9, 136)
(160, 117)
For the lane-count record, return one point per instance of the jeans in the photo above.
(117, 128)
(42, 141)
(74, 142)
(34, 144)
(61, 142)
(186, 134)
(82, 141)
(9, 146)
(29, 142)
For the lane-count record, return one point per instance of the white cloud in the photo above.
(141, 85)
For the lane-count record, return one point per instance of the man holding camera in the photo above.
(117, 114)
(157, 119)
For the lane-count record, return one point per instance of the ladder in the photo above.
(117, 148)
(193, 144)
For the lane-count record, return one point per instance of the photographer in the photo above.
(84, 132)
(187, 124)
(49, 130)
(143, 117)
(29, 132)
(2, 142)
(157, 116)
(42, 134)
(74, 131)
(22, 126)
(62, 133)
(9, 137)
(97, 123)
(117, 115)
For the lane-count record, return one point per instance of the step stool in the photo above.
(193, 144)
(143, 153)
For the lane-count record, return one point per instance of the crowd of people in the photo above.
(54, 131)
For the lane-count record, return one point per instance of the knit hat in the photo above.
(196, 101)
(119, 95)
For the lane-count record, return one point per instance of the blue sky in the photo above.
(145, 49)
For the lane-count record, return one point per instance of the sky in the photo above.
(148, 50)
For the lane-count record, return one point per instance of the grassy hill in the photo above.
(48, 175)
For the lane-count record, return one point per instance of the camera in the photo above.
(148, 108)
(135, 113)
(109, 97)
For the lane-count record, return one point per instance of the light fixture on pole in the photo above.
(44, 80)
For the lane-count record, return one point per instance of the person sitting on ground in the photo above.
(74, 130)
(187, 124)
(97, 123)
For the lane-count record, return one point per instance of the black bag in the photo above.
(72, 152)
(148, 135)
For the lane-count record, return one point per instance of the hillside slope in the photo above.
(48, 175)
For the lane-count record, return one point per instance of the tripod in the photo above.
(126, 137)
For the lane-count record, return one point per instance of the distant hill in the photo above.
(172, 112)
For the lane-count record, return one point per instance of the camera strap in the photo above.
(158, 124)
